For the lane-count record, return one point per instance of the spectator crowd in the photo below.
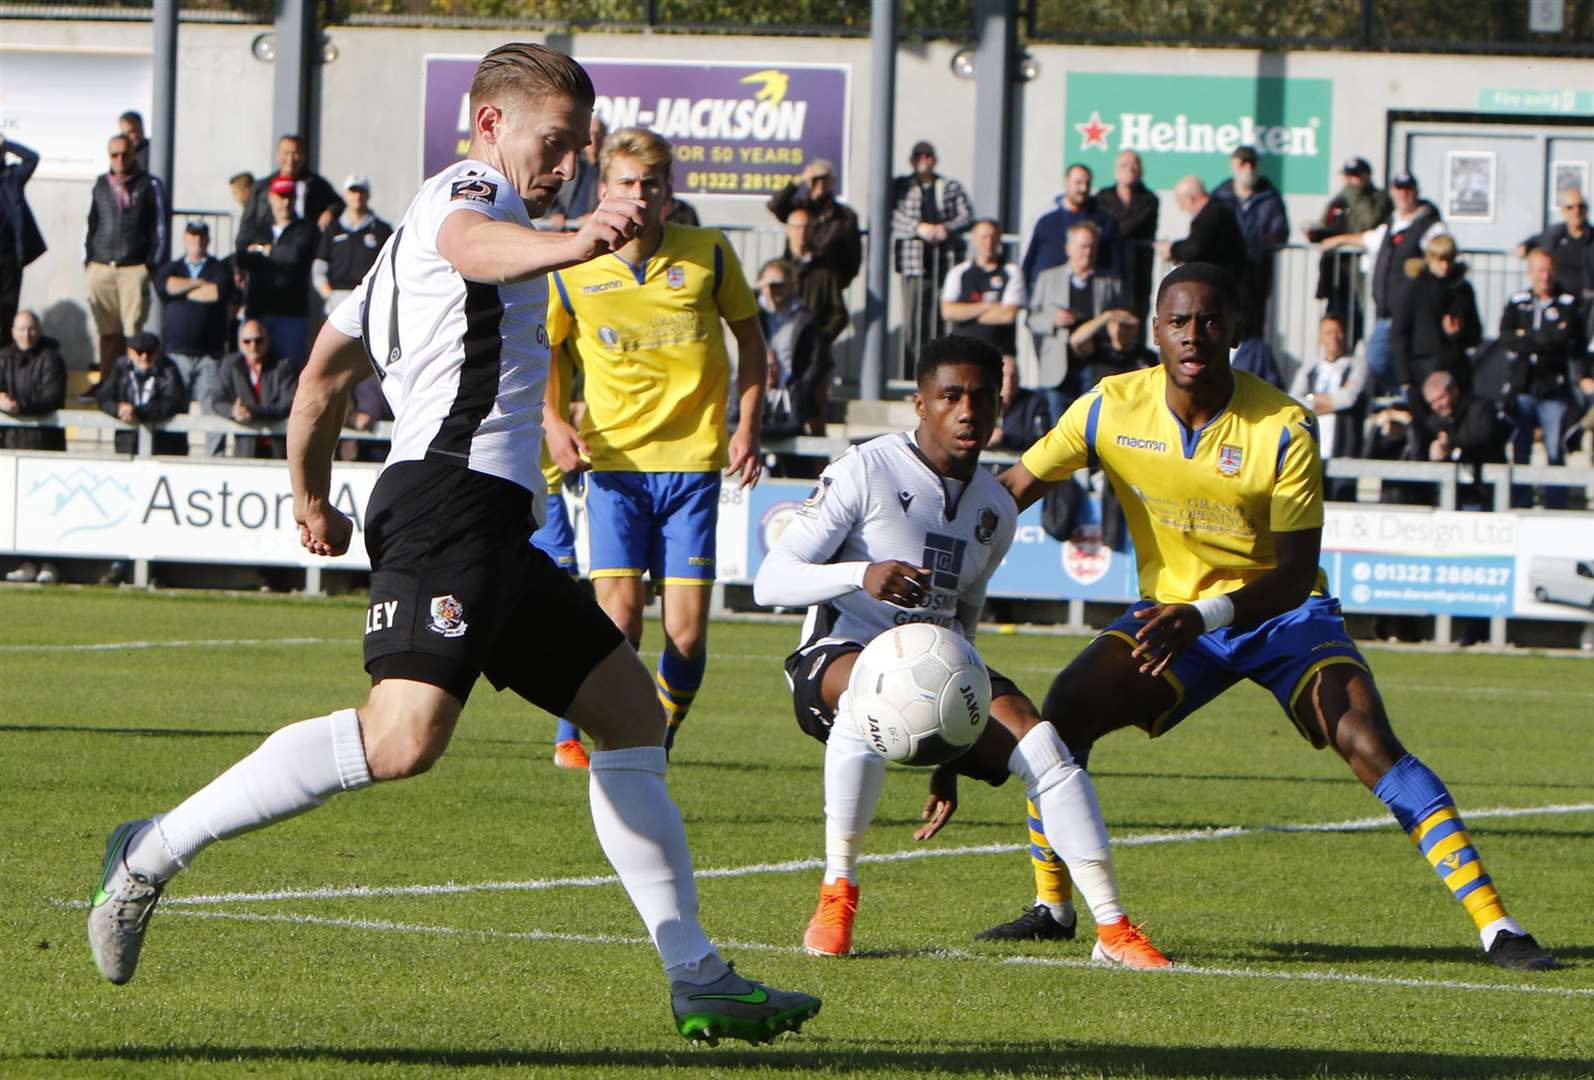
(1413, 376)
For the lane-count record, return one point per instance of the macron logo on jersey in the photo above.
(1134, 442)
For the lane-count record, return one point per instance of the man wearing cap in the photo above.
(1265, 223)
(350, 245)
(314, 198)
(195, 289)
(277, 263)
(145, 388)
(833, 239)
(930, 215)
(1358, 207)
(1414, 222)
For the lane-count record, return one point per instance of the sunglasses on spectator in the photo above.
(252, 340)
(1575, 206)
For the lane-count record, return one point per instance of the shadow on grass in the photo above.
(171, 733)
(1052, 1058)
(1341, 778)
(1337, 952)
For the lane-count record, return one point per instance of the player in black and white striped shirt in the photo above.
(452, 317)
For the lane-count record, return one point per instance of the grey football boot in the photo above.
(122, 905)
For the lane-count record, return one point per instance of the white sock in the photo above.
(854, 775)
(641, 834)
(1062, 913)
(1066, 798)
(296, 769)
(1505, 922)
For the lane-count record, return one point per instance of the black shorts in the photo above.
(457, 590)
(805, 671)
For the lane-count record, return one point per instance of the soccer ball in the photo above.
(920, 694)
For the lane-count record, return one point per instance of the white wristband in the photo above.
(1215, 611)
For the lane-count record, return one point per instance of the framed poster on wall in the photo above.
(1569, 176)
(1470, 179)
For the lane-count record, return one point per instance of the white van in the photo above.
(1563, 581)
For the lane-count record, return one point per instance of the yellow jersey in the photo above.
(1202, 505)
(649, 339)
(560, 358)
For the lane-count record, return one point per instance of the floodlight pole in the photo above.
(296, 45)
(163, 124)
(995, 57)
(882, 107)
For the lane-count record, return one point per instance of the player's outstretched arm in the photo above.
(1023, 485)
(335, 365)
(498, 252)
(565, 444)
(752, 369)
(1170, 629)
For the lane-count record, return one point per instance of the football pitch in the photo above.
(466, 922)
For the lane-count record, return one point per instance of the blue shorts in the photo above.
(1281, 654)
(556, 539)
(661, 524)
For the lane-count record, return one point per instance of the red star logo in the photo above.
(1094, 132)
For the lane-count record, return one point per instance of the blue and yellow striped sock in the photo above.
(677, 680)
(565, 732)
(1052, 884)
(1423, 807)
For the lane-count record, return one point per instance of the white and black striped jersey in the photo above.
(463, 364)
(883, 500)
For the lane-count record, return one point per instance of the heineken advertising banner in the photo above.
(1190, 124)
(738, 129)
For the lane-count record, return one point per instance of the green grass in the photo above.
(88, 738)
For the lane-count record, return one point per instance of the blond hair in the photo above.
(532, 72)
(1442, 246)
(639, 144)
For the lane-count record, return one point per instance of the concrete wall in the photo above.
(370, 119)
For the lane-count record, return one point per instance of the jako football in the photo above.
(920, 694)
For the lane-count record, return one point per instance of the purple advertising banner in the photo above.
(738, 129)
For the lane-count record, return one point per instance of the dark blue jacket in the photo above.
(16, 220)
(191, 327)
(1048, 244)
(1263, 218)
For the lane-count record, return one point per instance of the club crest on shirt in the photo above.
(1229, 459)
(815, 497)
(675, 277)
(985, 529)
(473, 189)
(448, 617)
(609, 336)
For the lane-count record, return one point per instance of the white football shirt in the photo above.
(463, 364)
(883, 500)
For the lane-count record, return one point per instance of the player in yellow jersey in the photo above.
(1222, 488)
(645, 326)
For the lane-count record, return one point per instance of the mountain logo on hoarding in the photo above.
(80, 500)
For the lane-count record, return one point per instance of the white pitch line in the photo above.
(198, 643)
(956, 955)
(795, 865)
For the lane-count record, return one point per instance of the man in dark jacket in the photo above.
(257, 387)
(349, 246)
(313, 198)
(834, 240)
(1048, 243)
(145, 388)
(1215, 235)
(1437, 322)
(1135, 207)
(1455, 426)
(1265, 224)
(820, 290)
(195, 290)
(1570, 243)
(277, 265)
(1025, 415)
(32, 383)
(1358, 207)
(1413, 223)
(124, 242)
(1541, 327)
(20, 239)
